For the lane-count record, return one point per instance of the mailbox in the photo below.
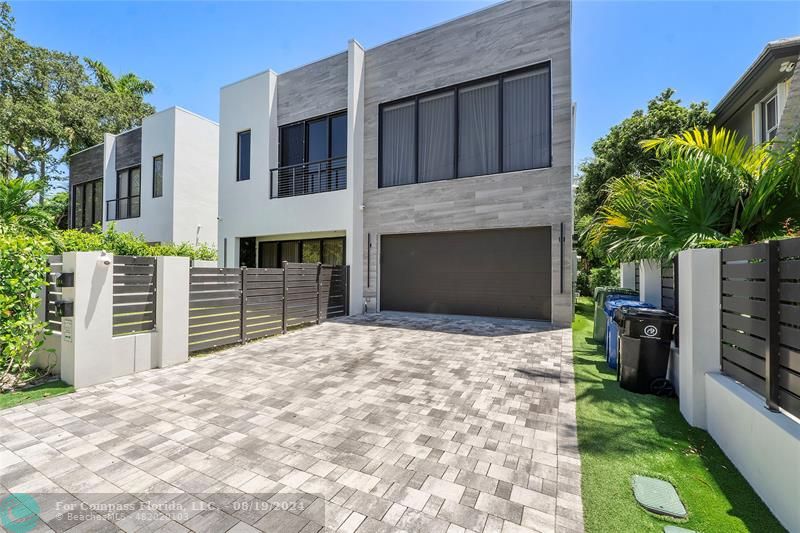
(65, 279)
(64, 308)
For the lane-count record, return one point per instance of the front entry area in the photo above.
(502, 272)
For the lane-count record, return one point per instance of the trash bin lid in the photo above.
(615, 303)
(647, 313)
(603, 293)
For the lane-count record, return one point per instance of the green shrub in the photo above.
(582, 285)
(23, 270)
(605, 276)
(122, 243)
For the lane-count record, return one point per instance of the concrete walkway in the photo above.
(375, 423)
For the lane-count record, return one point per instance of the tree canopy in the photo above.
(619, 153)
(53, 104)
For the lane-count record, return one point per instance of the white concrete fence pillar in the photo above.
(699, 330)
(650, 282)
(172, 311)
(627, 275)
(86, 352)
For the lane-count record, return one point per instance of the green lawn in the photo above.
(622, 434)
(45, 390)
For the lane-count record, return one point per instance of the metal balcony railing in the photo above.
(122, 208)
(309, 178)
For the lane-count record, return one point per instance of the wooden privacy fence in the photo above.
(53, 292)
(134, 293)
(761, 320)
(230, 305)
(669, 286)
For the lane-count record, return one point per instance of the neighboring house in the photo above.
(158, 180)
(437, 166)
(765, 101)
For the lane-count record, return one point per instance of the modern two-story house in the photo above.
(765, 102)
(437, 166)
(158, 180)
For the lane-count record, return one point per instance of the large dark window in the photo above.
(87, 204)
(313, 157)
(127, 203)
(492, 125)
(243, 156)
(158, 176)
(271, 254)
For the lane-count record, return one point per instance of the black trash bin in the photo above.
(644, 348)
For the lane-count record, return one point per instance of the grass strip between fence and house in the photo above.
(39, 392)
(621, 433)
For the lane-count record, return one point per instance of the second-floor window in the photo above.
(127, 203)
(87, 204)
(243, 156)
(498, 124)
(313, 156)
(769, 118)
(158, 176)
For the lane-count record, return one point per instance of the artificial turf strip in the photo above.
(45, 390)
(621, 433)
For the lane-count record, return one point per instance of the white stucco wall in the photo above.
(189, 145)
(195, 172)
(158, 138)
(764, 446)
(245, 208)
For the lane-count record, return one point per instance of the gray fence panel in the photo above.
(134, 294)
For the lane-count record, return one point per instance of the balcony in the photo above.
(122, 208)
(308, 178)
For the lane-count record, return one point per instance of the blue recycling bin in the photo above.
(612, 329)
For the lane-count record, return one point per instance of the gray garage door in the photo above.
(503, 273)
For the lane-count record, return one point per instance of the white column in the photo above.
(355, 174)
(699, 311)
(650, 282)
(172, 311)
(627, 275)
(86, 351)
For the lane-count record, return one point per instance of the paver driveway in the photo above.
(375, 423)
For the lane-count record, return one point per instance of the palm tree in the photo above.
(128, 83)
(711, 190)
(20, 214)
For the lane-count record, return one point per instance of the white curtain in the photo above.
(526, 121)
(397, 155)
(436, 137)
(478, 130)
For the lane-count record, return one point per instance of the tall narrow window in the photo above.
(158, 176)
(243, 156)
(77, 205)
(769, 118)
(97, 213)
(479, 119)
(398, 144)
(436, 136)
(128, 199)
(339, 135)
(526, 120)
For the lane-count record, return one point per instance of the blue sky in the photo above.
(624, 53)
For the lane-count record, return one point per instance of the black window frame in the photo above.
(455, 88)
(95, 218)
(239, 154)
(129, 211)
(305, 123)
(320, 240)
(159, 157)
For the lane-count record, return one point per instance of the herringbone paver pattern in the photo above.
(374, 423)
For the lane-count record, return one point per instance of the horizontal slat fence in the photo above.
(669, 287)
(760, 319)
(134, 294)
(231, 305)
(263, 290)
(53, 292)
(215, 307)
